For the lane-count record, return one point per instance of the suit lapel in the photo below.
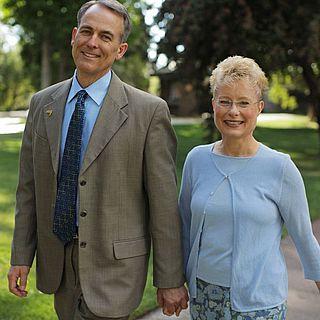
(111, 117)
(53, 114)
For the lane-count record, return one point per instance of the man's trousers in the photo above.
(68, 300)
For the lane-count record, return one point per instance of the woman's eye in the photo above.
(244, 104)
(225, 102)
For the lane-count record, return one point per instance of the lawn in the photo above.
(301, 143)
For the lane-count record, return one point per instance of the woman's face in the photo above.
(236, 107)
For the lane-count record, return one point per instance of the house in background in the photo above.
(182, 100)
(180, 96)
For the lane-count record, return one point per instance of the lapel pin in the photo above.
(49, 113)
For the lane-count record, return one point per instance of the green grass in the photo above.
(300, 142)
(36, 306)
(290, 122)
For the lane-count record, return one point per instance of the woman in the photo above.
(236, 194)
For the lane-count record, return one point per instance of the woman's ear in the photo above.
(261, 106)
(213, 104)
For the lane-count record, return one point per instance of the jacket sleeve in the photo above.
(295, 212)
(161, 189)
(25, 235)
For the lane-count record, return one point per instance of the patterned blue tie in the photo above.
(64, 222)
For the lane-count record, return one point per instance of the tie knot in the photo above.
(82, 95)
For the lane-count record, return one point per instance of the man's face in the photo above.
(97, 43)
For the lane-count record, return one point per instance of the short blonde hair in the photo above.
(235, 68)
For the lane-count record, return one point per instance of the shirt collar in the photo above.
(96, 90)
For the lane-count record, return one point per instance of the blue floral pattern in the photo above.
(213, 303)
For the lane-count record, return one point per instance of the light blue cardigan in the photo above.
(265, 193)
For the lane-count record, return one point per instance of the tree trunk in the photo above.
(312, 82)
(62, 66)
(316, 103)
(45, 63)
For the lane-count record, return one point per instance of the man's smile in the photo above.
(90, 55)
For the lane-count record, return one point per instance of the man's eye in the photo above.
(85, 32)
(105, 38)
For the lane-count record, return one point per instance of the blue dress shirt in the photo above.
(96, 93)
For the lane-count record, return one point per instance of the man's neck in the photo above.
(86, 80)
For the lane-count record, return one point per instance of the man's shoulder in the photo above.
(141, 96)
(48, 91)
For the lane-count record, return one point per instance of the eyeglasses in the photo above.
(227, 103)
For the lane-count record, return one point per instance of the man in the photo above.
(97, 180)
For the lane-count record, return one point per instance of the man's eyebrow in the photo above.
(104, 32)
(85, 26)
(107, 32)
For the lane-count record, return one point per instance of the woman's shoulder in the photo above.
(269, 154)
(200, 150)
(199, 153)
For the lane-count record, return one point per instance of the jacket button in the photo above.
(83, 244)
(83, 213)
(83, 182)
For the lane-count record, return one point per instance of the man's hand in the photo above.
(17, 280)
(172, 300)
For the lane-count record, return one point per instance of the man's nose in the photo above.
(93, 41)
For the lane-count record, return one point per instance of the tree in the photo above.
(46, 37)
(280, 35)
(15, 87)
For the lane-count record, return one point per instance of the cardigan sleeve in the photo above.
(185, 209)
(294, 210)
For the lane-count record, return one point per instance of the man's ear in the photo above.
(73, 35)
(122, 50)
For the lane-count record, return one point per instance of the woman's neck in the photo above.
(237, 148)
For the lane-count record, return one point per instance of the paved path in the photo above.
(303, 300)
(12, 121)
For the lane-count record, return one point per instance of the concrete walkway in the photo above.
(303, 299)
(12, 121)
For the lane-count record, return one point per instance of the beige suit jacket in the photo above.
(127, 195)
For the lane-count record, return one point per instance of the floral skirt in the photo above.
(213, 303)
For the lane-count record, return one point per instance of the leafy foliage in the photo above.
(49, 23)
(278, 34)
(15, 87)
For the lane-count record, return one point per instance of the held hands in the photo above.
(172, 300)
(17, 280)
